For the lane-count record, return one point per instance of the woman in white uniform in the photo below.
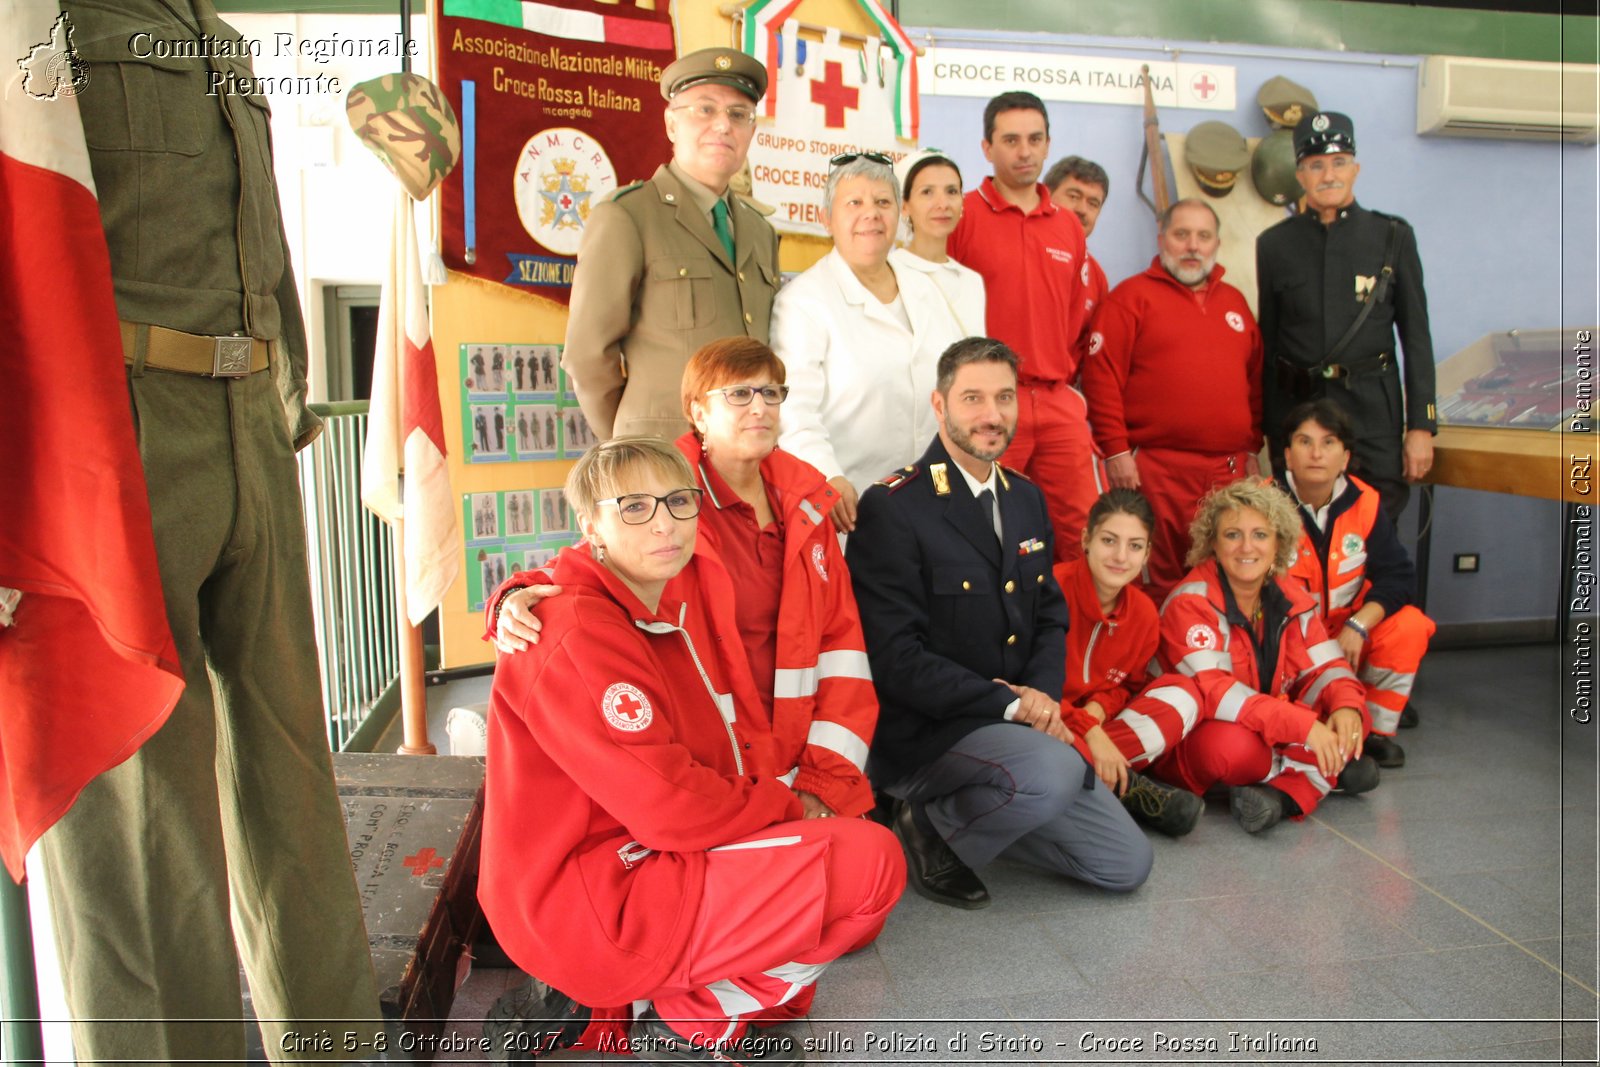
(930, 187)
(861, 339)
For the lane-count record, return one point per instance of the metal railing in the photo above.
(351, 556)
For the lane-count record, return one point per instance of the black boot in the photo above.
(1358, 776)
(1408, 716)
(1385, 750)
(1162, 807)
(532, 1020)
(936, 872)
(1256, 807)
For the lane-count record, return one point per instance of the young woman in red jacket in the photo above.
(1110, 701)
(639, 843)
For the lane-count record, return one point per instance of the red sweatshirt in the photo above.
(616, 758)
(1108, 656)
(1033, 268)
(1158, 349)
(824, 709)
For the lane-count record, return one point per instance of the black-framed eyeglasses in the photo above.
(636, 509)
(851, 157)
(741, 395)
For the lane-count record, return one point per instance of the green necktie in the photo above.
(719, 221)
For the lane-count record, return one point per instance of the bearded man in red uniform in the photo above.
(1176, 338)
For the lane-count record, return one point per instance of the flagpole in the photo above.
(413, 699)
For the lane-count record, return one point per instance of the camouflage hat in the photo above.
(1216, 152)
(1324, 133)
(409, 125)
(1285, 102)
(717, 66)
(1272, 168)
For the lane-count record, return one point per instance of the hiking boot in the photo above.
(1162, 807)
(1385, 750)
(1357, 777)
(1256, 807)
(530, 1021)
(653, 1041)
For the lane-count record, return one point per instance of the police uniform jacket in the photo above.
(653, 284)
(947, 608)
(152, 129)
(1311, 281)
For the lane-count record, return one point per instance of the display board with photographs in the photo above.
(517, 404)
(512, 531)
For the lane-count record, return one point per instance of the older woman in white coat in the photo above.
(861, 340)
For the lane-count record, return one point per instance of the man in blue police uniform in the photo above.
(1329, 312)
(966, 633)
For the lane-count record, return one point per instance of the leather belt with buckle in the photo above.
(188, 353)
(1337, 371)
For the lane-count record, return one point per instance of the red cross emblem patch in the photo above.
(626, 708)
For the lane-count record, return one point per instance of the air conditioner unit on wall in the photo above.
(1463, 96)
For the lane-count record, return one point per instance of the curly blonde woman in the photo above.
(1285, 718)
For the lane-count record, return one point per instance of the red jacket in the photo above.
(824, 709)
(1202, 639)
(612, 768)
(1158, 350)
(1108, 657)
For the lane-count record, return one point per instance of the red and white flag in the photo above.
(88, 669)
(405, 429)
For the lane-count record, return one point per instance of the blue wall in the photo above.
(1507, 231)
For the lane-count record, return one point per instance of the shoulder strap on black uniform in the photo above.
(1374, 295)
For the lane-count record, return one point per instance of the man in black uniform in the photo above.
(1321, 272)
(966, 633)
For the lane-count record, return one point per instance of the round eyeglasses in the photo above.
(636, 509)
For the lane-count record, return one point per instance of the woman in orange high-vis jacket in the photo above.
(1351, 560)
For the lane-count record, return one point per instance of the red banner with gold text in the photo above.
(559, 103)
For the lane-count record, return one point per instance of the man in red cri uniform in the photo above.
(1176, 338)
(1035, 269)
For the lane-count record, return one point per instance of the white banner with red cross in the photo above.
(1204, 86)
(825, 99)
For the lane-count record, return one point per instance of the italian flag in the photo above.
(581, 22)
(405, 429)
(88, 669)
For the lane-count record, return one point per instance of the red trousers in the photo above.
(1052, 446)
(778, 907)
(1226, 753)
(1174, 481)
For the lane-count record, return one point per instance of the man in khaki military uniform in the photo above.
(673, 263)
(222, 837)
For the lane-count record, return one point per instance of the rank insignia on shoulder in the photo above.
(1030, 546)
(900, 477)
(1000, 474)
(1010, 472)
(941, 478)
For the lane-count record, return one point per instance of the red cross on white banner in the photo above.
(1203, 86)
(834, 95)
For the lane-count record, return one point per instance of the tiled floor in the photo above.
(1448, 916)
